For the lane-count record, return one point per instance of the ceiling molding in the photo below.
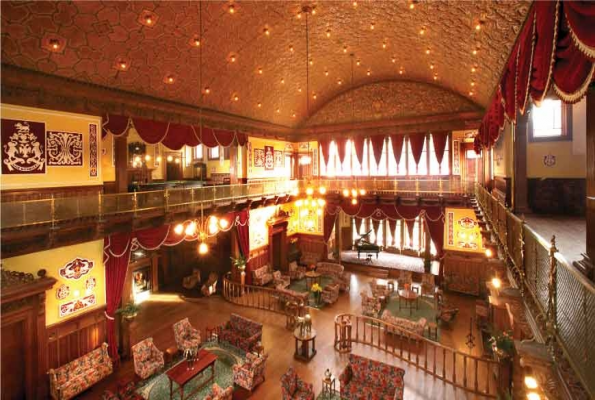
(35, 89)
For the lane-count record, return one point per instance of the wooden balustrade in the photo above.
(465, 371)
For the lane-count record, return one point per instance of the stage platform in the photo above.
(387, 261)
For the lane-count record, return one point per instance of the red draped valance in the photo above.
(556, 46)
(439, 139)
(358, 145)
(377, 142)
(416, 141)
(396, 141)
(170, 134)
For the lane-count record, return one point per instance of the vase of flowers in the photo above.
(502, 345)
(316, 289)
(239, 262)
(129, 311)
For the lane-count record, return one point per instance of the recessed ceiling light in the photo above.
(428, 51)
(54, 44)
(123, 65)
(372, 26)
(293, 115)
(384, 45)
(232, 58)
(394, 60)
(472, 84)
(314, 96)
(339, 82)
(259, 105)
(267, 32)
(231, 9)
(358, 63)
(278, 110)
(422, 31)
(354, 3)
(473, 69)
(236, 97)
(260, 71)
(169, 79)
(291, 48)
(368, 72)
(470, 93)
(328, 33)
(196, 41)
(326, 72)
(431, 66)
(207, 90)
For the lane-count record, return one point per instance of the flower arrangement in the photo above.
(316, 288)
(502, 343)
(311, 267)
(239, 262)
(129, 311)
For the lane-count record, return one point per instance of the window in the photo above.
(435, 168)
(393, 168)
(198, 152)
(551, 121)
(214, 153)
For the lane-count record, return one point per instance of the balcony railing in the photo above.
(382, 185)
(563, 297)
(55, 210)
(58, 209)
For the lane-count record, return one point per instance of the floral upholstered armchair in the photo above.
(147, 358)
(281, 280)
(293, 387)
(251, 373)
(262, 276)
(379, 289)
(186, 336)
(370, 305)
(330, 293)
(295, 271)
(217, 393)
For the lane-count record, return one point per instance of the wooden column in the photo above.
(519, 173)
(121, 156)
(587, 264)
(233, 164)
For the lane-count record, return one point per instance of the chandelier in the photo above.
(201, 229)
(353, 194)
(311, 207)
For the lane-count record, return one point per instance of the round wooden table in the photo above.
(409, 296)
(303, 350)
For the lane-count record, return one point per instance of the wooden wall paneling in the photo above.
(75, 337)
(520, 198)
(465, 272)
(312, 244)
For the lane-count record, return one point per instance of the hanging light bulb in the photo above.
(354, 192)
(190, 229)
(322, 190)
(203, 248)
(223, 223)
(354, 201)
(179, 229)
(319, 212)
(299, 203)
(345, 192)
(309, 191)
(362, 192)
(321, 202)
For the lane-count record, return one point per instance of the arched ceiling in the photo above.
(390, 100)
(93, 37)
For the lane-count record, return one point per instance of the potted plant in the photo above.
(317, 290)
(502, 345)
(129, 311)
(239, 262)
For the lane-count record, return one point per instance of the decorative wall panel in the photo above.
(23, 147)
(65, 149)
(93, 150)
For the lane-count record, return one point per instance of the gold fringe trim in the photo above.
(548, 82)
(587, 50)
(522, 107)
(580, 93)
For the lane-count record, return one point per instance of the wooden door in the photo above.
(13, 361)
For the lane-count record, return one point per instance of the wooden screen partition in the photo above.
(24, 341)
(312, 244)
(75, 337)
(465, 272)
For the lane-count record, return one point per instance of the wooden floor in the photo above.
(160, 312)
(571, 233)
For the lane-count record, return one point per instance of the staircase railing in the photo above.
(471, 373)
(562, 298)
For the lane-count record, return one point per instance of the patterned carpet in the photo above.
(426, 310)
(157, 387)
(385, 260)
(300, 286)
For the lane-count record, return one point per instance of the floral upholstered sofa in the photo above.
(262, 276)
(147, 358)
(286, 295)
(217, 393)
(78, 375)
(371, 380)
(251, 373)
(415, 327)
(293, 387)
(336, 271)
(240, 332)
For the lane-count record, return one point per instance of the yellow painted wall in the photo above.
(108, 169)
(457, 236)
(260, 172)
(52, 261)
(571, 157)
(503, 153)
(56, 176)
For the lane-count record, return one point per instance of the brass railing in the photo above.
(55, 210)
(474, 374)
(447, 185)
(564, 299)
(263, 298)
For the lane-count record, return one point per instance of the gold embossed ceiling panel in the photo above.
(88, 41)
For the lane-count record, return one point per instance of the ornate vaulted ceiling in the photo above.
(254, 59)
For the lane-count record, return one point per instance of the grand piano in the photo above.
(364, 246)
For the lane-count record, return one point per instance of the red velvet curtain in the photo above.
(416, 140)
(358, 224)
(580, 17)
(116, 257)
(328, 224)
(375, 226)
(358, 145)
(325, 147)
(543, 54)
(573, 70)
(435, 223)
(178, 136)
(392, 225)
(117, 125)
(224, 137)
(410, 225)
(206, 136)
(377, 142)
(507, 85)
(439, 139)
(241, 138)
(341, 148)
(243, 234)
(525, 61)
(396, 141)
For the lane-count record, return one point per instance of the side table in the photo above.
(328, 387)
(170, 354)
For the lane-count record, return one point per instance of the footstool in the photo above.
(170, 354)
